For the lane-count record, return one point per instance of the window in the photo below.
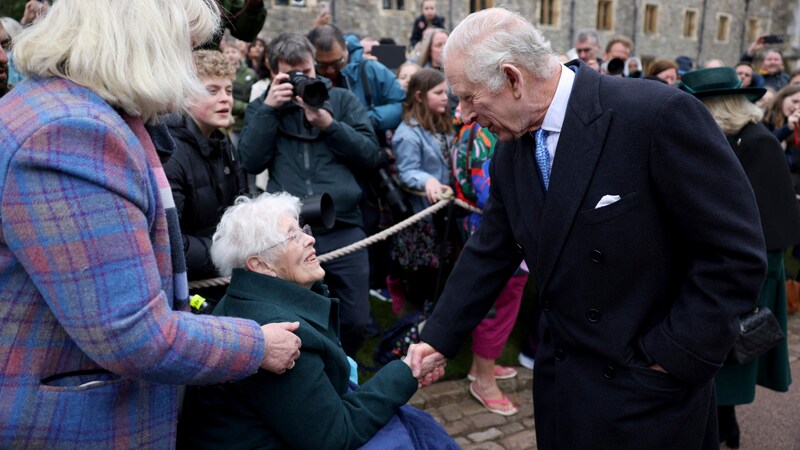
(690, 23)
(605, 17)
(723, 27)
(394, 4)
(548, 15)
(650, 19)
(477, 5)
(753, 29)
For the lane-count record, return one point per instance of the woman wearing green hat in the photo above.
(761, 156)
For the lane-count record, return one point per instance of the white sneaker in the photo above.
(525, 361)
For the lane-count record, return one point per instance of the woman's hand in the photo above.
(793, 119)
(282, 346)
(433, 188)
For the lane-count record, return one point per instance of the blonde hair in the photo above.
(134, 54)
(733, 112)
(213, 64)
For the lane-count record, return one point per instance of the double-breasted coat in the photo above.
(659, 276)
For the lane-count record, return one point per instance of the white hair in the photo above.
(11, 26)
(495, 36)
(135, 54)
(250, 227)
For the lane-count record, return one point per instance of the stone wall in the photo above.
(368, 17)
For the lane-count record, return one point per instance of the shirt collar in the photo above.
(554, 118)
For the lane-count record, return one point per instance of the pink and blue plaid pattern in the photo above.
(86, 282)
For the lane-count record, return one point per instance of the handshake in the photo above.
(427, 365)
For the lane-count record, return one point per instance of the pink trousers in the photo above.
(491, 335)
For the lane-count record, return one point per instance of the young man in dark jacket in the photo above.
(203, 172)
(312, 150)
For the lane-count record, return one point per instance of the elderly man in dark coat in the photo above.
(642, 261)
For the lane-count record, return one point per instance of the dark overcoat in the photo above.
(659, 276)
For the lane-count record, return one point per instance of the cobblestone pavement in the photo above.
(474, 428)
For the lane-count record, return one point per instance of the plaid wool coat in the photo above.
(91, 349)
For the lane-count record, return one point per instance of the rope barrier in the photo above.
(444, 199)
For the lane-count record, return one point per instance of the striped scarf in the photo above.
(158, 144)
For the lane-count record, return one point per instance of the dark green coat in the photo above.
(308, 407)
(763, 161)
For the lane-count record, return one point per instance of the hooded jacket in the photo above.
(304, 160)
(386, 108)
(205, 178)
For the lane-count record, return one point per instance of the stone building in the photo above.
(700, 29)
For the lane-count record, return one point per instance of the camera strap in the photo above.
(367, 92)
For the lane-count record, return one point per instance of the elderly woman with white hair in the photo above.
(275, 277)
(96, 335)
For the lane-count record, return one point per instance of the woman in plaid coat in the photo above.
(95, 337)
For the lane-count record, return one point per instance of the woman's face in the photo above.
(298, 263)
(670, 76)
(437, 45)
(256, 50)
(436, 98)
(745, 74)
(790, 104)
(429, 10)
(405, 75)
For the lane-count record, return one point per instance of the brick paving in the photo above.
(474, 428)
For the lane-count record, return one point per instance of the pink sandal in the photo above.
(493, 405)
(500, 373)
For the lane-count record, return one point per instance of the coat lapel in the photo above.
(583, 135)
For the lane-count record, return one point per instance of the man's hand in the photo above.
(427, 365)
(756, 46)
(281, 346)
(318, 117)
(280, 92)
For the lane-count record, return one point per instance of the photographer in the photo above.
(313, 149)
(768, 60)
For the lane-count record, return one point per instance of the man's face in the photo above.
(587, 50)
(307, 67)
(498, 112)
(745, 74)
(618, 50)
(5, 45)
(213, 111)
(773, 62)
(330, 63)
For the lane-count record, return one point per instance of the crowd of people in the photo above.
(137, 163)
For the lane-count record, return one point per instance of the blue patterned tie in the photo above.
(543, 156)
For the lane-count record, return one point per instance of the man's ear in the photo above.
(259, 265)
(514, 80)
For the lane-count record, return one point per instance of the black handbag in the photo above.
(759, 332)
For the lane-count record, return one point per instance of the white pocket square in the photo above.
(607, 200)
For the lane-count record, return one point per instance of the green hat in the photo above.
(717, 82)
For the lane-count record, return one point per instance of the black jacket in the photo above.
(764, 164)
(205, 178)
(420, 24)
(304, 160)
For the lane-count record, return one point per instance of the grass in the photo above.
(460, 365)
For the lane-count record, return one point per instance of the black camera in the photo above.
(772, 39)
(311, 90)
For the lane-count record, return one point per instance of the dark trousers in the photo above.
(347, 278)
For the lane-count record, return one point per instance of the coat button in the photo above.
(593, 315)
(609, 372)
(560, 354)
(547, 305)
(597, 256)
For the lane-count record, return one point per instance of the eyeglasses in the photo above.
(294, 235)
(335, 64)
